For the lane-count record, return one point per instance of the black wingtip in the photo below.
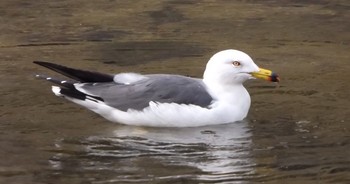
(49, 65)
(63, 83)
(40, 62)
(76, 74)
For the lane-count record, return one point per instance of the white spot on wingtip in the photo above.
(49, 78)
(56, 90)
(63, 82)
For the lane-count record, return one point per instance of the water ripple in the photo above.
(134, 154)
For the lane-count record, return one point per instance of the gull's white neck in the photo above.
(227, 92)
(231, 101)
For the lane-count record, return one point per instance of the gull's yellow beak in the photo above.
(266, 75)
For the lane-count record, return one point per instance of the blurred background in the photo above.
(296, 132)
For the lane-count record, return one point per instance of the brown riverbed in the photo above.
(295, 133)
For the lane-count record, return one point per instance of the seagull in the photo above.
(165, 100)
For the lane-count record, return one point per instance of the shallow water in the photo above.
(297, 132)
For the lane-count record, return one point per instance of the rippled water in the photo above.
(141, 155)
(296, 132)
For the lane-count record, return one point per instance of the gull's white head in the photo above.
(230, 67)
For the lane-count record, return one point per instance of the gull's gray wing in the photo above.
(158, 88)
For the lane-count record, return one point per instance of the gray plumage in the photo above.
(129, 90)
(158, 88)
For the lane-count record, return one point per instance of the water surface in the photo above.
(297, 132)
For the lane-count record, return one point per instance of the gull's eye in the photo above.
(236, 63)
